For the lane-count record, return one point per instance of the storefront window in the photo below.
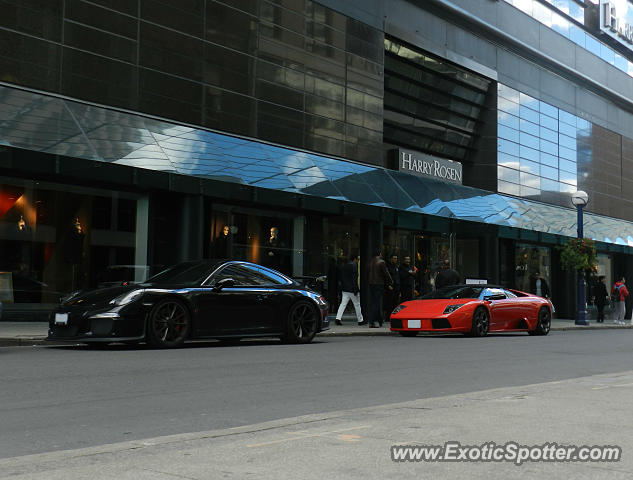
(531, 260)
(429, 252)
(467, 259)
(261, 237)
(55, 239)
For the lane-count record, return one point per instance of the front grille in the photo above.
(440, 323)
(77, 325)
(61, 331)
(396, 323)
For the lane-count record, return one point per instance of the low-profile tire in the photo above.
(169, 324)
(302, 323)
(544, 322)
(408, 333)
(481, 323)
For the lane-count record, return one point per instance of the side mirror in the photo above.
(224, 283)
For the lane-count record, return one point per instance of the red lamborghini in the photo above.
(473, 310)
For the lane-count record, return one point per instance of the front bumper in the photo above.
(420, 325)
(97, 326)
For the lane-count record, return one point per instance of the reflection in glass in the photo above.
(546, 157)
(568, 29)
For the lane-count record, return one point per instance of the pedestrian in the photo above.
(446, 276)
(349, 286)
(538, 286)
(378, 279)
(618, 296)
(600, 297)
(392, 297)
(407, 279)
(424, 280)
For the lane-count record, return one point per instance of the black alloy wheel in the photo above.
(544, 322)
(481, 323)
(169, 324)
(303, 319)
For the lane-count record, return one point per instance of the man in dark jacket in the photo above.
(392, 297)
(446, 276)
(378, 279)
(349, 286)
(407, 279)
(600, 297)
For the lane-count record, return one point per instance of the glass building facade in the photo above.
(289, 72)
(568, 17)
(540, 147)
(135, 134)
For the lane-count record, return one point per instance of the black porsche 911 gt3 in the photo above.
(191, 300)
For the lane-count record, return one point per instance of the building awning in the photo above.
(64, 127)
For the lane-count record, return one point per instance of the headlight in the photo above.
(398, 308)
(452, 308)
(126, 298)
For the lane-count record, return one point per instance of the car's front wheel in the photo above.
(481, 323)
(169, 324)
(302, 323)
(543, 324)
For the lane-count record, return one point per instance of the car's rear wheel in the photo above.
(169, 324)
(301, 326)
(408, 333)
(481, 323)
(543, 324)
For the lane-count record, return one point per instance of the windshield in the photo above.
(454, 291)
(187, 273)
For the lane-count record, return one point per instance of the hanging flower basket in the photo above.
(579, 254)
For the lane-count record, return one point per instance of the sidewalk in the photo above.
(34, 333)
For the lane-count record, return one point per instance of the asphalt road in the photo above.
(57, 398)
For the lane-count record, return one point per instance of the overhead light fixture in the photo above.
(21, 223)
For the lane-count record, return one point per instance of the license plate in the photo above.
(61, 319)
(414, 323)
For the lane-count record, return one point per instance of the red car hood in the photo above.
(430, 308)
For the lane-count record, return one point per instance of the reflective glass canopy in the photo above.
(58, 126)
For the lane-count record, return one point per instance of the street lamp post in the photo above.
(580, 199)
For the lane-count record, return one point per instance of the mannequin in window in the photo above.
(222, 243)
(74, 243)
(274, 252)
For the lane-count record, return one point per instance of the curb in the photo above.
(35, 341)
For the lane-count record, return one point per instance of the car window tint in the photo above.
(187, 273)
(493, 291)
(455, 291)
(236, 272)
(509, 294)
(244, 275)
(272, 277)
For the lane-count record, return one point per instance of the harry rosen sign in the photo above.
(426, 166)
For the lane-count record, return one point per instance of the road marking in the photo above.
(303, 434)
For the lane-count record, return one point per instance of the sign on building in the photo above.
(423, 165)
